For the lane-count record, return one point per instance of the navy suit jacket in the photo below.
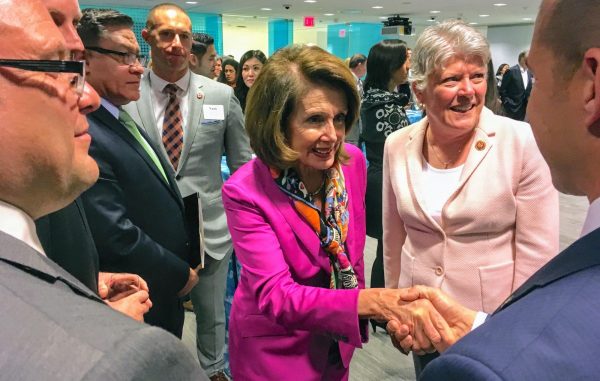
(546, 330)
(66, 238)
(137, 218)
(513, 94)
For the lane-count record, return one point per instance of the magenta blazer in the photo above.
(284, 317)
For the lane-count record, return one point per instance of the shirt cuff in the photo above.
(479, 319)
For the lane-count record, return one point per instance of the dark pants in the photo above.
(377, 279)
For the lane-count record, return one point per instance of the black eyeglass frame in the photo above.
(51, 66)
(137, 58)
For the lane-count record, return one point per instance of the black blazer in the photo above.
(137, 218)
(66, 238)
(513, 94)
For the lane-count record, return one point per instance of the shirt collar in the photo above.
(114, 110)
(592, 220)
(18, 224)
(523, 70)
(158, 84)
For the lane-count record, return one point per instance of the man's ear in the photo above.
(146, 35)
(193, 60)
(591, 89)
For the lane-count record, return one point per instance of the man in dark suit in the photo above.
(516, 87)
(135, 210)
(546, 330)
(54, 327)
(211, 125)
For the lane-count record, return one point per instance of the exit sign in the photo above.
(309, 21)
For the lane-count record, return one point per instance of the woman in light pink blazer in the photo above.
(297, 219)
(468, 202)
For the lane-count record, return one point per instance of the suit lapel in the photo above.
(107, 119)
(482, 143)
(582, 254)
(304, 233)
(414, 163)
(146, 111)
(195, 103)
(20, 255)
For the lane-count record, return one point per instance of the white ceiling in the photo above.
(345, 11)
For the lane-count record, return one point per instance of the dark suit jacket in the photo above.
(137, 219)
(513, 94)
(67, 240)
(547, 330)
(54, 328)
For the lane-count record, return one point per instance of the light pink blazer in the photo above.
(284, 317)
(498, 228)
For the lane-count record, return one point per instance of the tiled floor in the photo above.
(379, 360)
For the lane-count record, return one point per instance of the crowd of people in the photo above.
(114, 211)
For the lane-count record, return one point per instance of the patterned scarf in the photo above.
(331, 226)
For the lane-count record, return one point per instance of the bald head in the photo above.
(151, 20)
(570, 28)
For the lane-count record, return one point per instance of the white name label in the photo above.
(213, 112)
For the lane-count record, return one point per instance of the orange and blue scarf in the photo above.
(331, 225)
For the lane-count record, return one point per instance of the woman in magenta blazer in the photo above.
(297, 219)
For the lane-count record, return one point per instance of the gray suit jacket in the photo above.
(54, 328)
(204, 142)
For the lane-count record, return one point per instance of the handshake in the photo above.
(420, 319)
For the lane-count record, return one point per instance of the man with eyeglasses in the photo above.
(195, 120)
(135, 210)
(65, 234)
(54, 327)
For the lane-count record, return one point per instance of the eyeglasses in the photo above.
(126, 58)
(53, 66)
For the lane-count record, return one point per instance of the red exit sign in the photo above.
(309, 21)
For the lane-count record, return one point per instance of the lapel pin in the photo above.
(480, 145)
(200, 94)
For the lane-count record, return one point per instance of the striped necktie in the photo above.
(172, 133)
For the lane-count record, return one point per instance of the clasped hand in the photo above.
(126, 293)
(425, 320)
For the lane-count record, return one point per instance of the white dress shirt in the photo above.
(160, 99)
(18, 224)
(524, 76)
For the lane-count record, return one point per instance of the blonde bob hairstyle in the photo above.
(287, 76)
(440, 43)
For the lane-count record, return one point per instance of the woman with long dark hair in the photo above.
(382, 112)
(250, 66)
(229, 73)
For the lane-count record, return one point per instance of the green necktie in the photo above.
(126, 120)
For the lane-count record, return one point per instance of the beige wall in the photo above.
(237, 41)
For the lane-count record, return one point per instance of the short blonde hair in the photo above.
(286, 77)
(442, 42)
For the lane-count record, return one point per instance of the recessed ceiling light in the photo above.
(484, 15)
(431, 19)
(266, 9)
(473, 23)
(434, 12)
(500, 5)
(377, 7)
(527, 19)
(310, 1)
(328, 14)
(383, 17)
(191, 2)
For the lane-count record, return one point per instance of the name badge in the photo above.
(214, 112)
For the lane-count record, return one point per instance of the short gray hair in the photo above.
(439, 43)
